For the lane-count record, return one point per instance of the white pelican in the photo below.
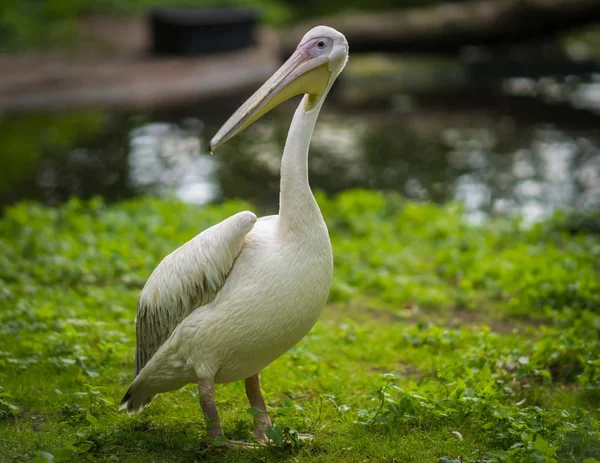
(240, 294)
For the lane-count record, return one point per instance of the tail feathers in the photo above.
(134, 400)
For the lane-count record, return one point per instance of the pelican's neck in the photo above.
(297, 205)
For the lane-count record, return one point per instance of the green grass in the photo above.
(441, 340)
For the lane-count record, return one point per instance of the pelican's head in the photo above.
(311, 70)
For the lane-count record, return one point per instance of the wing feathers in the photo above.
(187, 278)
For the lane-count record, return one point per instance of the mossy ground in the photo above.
(441, 341)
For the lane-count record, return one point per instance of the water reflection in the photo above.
(583, 95)
(165, 159)
(555, 171)
(50, 157)
(489, 162)
(532, 171)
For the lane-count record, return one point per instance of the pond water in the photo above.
(526, 149)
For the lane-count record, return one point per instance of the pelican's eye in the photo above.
(317, 46)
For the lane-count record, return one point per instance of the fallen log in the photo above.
(446, 28)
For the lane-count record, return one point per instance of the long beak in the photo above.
(301, 73)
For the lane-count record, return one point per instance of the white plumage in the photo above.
(230, 301)
(186, 279)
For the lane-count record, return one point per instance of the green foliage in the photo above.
(442, 341)
(27, 23)
(7, 410)
(391, 250)
(484, 380)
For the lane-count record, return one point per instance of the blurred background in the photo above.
(495, 103)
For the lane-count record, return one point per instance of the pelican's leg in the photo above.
(206, 388)
(262, 422)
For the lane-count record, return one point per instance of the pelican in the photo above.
(240, 294)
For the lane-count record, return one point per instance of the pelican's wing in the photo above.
(187, 278)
